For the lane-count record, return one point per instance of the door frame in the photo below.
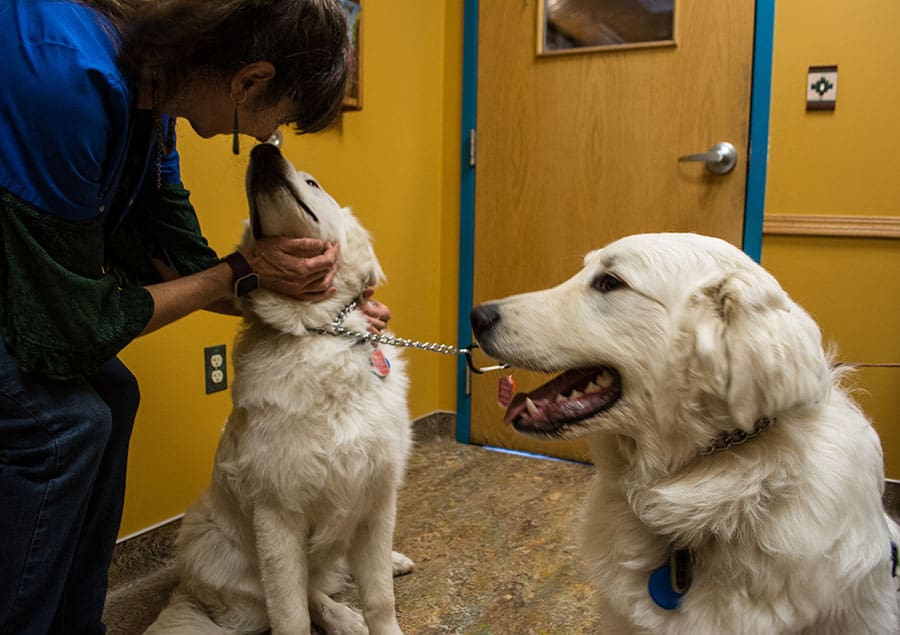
(754, 198)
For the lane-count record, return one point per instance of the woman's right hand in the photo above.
(303, 268)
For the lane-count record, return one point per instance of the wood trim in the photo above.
(606, 48)
(831, 225)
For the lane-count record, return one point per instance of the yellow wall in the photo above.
(844, 162)
(396, 162)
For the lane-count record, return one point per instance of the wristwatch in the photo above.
(245, 279)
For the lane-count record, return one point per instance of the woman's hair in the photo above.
(305, 40)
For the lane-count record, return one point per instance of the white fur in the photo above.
(787, 530)
(308, 466)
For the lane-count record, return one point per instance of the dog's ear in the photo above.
(755, 350)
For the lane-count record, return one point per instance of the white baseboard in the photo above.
(150, 528)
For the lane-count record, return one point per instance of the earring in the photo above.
(235, 142)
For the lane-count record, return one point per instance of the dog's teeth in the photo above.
(532, 409)
(604, 380)
(591, 389)
(560, 398)
(575, 394)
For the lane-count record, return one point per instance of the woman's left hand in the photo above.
(376, 313)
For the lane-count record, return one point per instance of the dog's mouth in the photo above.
(572, 397)
(303, 205)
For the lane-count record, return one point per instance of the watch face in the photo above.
(246, 284)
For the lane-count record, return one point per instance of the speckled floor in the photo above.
(490, 532)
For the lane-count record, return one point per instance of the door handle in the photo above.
(719, 159)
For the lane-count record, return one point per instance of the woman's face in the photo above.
(208, 103)
(217, 117)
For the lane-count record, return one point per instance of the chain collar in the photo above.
(728, 440)
(336, 328)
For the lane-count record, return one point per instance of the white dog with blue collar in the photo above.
(738, 486)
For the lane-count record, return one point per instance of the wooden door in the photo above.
(574, 151)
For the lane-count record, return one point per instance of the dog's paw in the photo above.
(402, 564)
(340, 619)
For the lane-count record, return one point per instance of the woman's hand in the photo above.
(302, 268)
(376, 313)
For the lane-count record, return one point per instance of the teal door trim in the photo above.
(466, 212)
(760, 101)
(754, 203)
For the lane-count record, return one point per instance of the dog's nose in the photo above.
(263, 150)
(484, 317)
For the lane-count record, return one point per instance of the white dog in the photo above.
(738, 488)
(313, 453)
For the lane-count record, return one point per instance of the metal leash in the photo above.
(337, 329)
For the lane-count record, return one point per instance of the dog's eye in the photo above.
(312, 183)
(607, 282)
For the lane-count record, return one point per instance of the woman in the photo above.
(101, 245)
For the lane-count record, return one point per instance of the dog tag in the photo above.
(669, 583)
(505, 391)
(380, 364)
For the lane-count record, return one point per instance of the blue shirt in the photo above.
(81, 213)
(66, 110)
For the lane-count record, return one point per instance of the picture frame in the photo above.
(353, 94)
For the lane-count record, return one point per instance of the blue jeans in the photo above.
(63, 454)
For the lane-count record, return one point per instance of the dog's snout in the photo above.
(484, 317)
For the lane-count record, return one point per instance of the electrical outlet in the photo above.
(215, 369)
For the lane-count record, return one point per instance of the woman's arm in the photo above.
(303, 268)
(223, 306)
(177, 298)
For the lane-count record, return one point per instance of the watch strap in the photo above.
(244, 279)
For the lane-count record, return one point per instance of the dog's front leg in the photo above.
(372, 566)
(281, 548)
